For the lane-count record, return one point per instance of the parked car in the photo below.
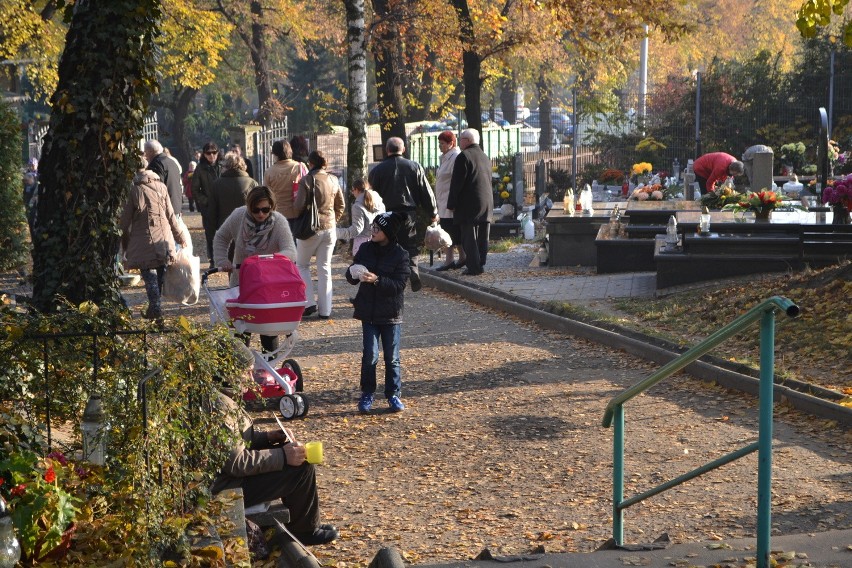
(559, 120)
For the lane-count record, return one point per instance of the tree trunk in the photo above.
(356, 106)
(183, 149)
(472, 66)
(260, 59)
(388, 75)
(545, 104)
(89, 157)
(508, 90)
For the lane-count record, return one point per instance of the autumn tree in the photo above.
(264, 26)
(191, 43)
(814, 15)
(105, 80)
(32, 32)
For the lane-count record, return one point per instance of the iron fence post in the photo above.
(618, 475)
(764, 467)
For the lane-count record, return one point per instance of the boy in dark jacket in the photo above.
(381, 269)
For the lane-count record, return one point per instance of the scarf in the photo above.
(256, 235)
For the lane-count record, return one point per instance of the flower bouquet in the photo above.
(42, 510)
(651, 192)
(611, 176)
(839, 196)
(641, 171)
(721, 197)
(839, 192)
(502, 182)
(761, 203)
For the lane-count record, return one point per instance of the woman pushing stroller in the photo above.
(256, 228)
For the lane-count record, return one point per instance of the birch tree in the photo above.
(356, 100)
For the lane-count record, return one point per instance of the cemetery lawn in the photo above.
(815, 347)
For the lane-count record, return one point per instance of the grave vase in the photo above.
(841, 214)
(763, 215)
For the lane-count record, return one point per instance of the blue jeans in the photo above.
(389, 334)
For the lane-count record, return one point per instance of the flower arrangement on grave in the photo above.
(839, 192)
(792, 157)
(42, 508)
(761, 203)
(721, 197)
(812, 184)
(502, 181)
(653, 192)
(641, 172)
(611, 176)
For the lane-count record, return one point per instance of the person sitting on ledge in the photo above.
(268, 467)
(715, 167)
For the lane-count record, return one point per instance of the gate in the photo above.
(35, 137)
(263, 140)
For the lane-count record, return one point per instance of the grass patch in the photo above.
(505, 245)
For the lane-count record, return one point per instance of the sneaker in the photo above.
(416, 284)
(321, 535)
(395, 404)
(366, 402)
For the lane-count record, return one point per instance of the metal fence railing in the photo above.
(263, 146)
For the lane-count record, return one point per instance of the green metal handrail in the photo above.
(614, 415)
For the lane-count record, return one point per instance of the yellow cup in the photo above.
(314, 452)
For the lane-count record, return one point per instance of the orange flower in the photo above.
(50, 475)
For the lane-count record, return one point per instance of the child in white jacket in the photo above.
(367, 205)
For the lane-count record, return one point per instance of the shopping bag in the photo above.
(437, 238)
(183, 278)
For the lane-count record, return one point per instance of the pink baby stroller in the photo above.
(269, 300)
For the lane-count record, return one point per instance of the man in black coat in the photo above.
(403, 186)
(167, 170)
(472, 201)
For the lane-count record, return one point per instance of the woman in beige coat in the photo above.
(149, 232)
(329, 199)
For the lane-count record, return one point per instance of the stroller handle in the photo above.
(206, 274)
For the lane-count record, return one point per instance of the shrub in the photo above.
(13, 223)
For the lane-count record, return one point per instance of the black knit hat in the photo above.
(390, 224)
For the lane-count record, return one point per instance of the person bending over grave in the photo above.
(715, 167)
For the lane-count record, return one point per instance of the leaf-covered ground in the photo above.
(815, 347)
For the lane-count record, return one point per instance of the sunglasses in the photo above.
(210, 153)
(264, 210)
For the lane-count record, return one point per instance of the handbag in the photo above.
(306, 224)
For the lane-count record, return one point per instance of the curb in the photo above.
(644, 349)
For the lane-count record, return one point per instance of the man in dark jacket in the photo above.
(167, 170)
(403, 186)
(471, 200)
(207, 171)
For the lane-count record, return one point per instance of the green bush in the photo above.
(156, 476)
(13, 222)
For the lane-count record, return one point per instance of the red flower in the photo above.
(2, 481)
(50, 475)
(18, 490)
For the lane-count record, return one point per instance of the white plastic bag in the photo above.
(183, 278)
(437, 238)
(187, 238)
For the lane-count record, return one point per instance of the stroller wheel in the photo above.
(288, 406)
(300, 384)
(301, 405)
